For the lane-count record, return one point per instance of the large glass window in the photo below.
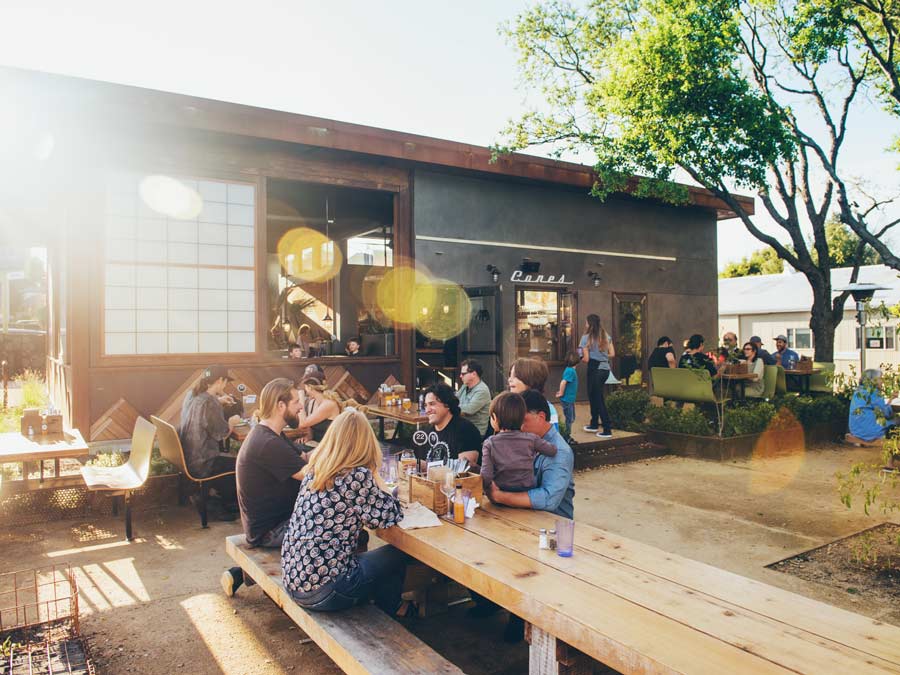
(179, 270)
(543, 323)
(328, 249)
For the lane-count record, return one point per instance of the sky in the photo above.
(438, 69)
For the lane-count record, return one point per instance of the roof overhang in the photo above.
(116, 101)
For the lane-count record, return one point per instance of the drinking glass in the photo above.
(407, 405)
(389, 470)
(407, 461)
(565, 537)
(448, 487)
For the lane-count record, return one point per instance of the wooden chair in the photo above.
(171, 450)
(125, 479)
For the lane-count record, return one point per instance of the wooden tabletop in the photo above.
(240, 433)
(738, 376)
(395, 412)
(802, 372)
(639, 609)
(14, 447)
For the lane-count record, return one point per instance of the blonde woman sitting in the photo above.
(320, 408)
(341, 492)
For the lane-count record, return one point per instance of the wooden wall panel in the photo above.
(117, 423)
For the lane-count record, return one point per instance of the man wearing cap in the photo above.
(761, 353)
(203, 426)
(784, 357)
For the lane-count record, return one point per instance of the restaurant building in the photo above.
(183, 232)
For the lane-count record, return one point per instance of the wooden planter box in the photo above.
(428, 493)
(735, 447)
(737, 369)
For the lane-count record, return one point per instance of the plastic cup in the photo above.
(565, 537)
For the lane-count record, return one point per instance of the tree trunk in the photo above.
(823, 325)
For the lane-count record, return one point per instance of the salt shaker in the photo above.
(543, 543)
(551, 540)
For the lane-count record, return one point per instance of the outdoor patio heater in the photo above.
(862, 293)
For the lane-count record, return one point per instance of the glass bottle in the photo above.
(459, 509)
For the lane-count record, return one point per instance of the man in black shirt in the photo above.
(761, 353)
(461, 437)
(663, 356)
(695, 358)
(268, 473)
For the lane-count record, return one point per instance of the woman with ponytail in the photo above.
(596, 350)
(321, 407)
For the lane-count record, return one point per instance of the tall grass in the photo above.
(34, 395)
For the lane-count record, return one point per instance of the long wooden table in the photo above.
(395, 413)
(641, 610)
(14, 447)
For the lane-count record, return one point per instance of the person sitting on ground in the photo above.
(352, 347)
(785, 357)
(341, 493)
(324, 409)
(664, 355)
(474, 396)
(508, 455)
(460, 436)
(754, 388)
(268, 474)
(870, 416)
(201, 429)
(694, 357)
(568, 389)
(295, 351)
(766, 357)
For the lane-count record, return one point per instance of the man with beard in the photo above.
(268, 474)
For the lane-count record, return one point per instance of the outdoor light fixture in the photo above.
(862, 293)
(495, 273)
(595, 278)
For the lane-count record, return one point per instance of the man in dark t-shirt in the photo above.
(268, 473)
(696, 359)
(449, 427)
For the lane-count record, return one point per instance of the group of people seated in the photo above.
(696, 356)
(304, 348)
(314, 497)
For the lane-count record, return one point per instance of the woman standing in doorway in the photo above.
(596, 350)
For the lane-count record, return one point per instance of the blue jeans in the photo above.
(380, 574)
(569, 414)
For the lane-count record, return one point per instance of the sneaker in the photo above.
(231, 580)
(588, 427)
(604, 435)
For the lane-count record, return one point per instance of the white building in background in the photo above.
(779, 304)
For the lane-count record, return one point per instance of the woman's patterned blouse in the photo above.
(321, 538)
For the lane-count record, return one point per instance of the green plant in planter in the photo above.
(628, 408)
(679, 421)
(107, 459)
(875, 482)
(752, 418)
(812, 411)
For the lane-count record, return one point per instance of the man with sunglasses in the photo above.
(474, 396)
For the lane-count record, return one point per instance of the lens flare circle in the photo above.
(447, 314)
(309, 255)
(170, 197)
(403, 292)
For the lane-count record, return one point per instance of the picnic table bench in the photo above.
(638, 609)
(362, 639)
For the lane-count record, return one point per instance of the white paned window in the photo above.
(799, 338)
(179, 266)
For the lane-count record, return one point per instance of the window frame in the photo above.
(792, 338)
(573, 293)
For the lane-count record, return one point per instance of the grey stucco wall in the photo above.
(682, 294)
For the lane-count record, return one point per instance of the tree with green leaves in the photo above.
(761, 261)
(709, 88)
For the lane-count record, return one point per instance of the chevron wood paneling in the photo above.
(115, 424)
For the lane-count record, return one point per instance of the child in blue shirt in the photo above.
(568, 387)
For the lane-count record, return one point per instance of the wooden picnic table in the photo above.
(638, 609)
(14, 447)
(396, 413)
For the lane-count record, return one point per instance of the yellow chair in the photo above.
(171, 450)
(125, 479)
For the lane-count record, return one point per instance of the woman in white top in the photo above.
(754, 388)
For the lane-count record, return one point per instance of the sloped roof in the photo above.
(790, 291)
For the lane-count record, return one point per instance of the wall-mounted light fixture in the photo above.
(495, 273)
(595, 278)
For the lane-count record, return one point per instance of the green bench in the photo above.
(686, 384)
